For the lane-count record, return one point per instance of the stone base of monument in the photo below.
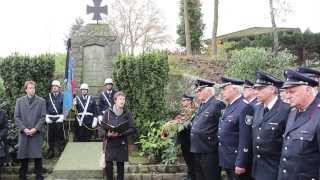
(81, 161)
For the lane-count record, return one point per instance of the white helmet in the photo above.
(108, 81)
(55, 83)
(84, 86)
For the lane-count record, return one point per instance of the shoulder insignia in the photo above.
(248, 120)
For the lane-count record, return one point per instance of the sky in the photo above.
(40, 26)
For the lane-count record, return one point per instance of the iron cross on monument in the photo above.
(97, 9)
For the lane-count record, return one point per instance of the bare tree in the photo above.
(138, 24)
(187, 28)
(274, 28)
(282, 9)
(215, 28)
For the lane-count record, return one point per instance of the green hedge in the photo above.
(143, 78)
(244, 63)
(16, 69)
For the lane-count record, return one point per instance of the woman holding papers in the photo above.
(118, 125)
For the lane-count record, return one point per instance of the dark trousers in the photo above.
(37, 169)
(109, 170)
(207, 166)
(56, 136)
(188, 158)
(232, 176)
(82, 133)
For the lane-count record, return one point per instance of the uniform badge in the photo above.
(248, 120)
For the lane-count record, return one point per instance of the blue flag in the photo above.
(68, 82)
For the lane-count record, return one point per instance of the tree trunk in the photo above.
(187, 28)
(274, 28)
(215, 28)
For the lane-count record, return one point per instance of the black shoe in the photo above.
(39, 177)
(50, 155)
(23, 177)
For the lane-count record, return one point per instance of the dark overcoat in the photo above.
(30, 116)
(235, 136)
(117, 148)
(267, 131)
(300, 158)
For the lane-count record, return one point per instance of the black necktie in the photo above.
(265, 110)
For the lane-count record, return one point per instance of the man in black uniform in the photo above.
(235, 132)
(250, 95)
(268, 127)
(204, 128)
(300, 158)
(106, 98)
(86, 114)
(312, 73)
(54, 119)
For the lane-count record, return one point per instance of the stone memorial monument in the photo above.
(94, 49)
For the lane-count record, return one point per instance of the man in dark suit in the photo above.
(300, 158)
(235, 132)
(203, 136)
(268, 127)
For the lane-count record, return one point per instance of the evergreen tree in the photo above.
(195, 23)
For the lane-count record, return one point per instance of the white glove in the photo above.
(74, 102)
(48, 120)
(94, 122)
(61, 118)
(100, 118)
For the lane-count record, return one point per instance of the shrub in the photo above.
(244, 63)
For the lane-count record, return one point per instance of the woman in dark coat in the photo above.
(116, 141)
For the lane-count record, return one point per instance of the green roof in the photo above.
(254, 31)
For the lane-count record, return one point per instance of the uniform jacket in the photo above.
(58, 101)
(300, 158)
(117, 148)
(3, 133)
(30, 116)
(267, 131)
(204, 128)
(103, 104)
(92, 108)
(183, 136)
(235, 136)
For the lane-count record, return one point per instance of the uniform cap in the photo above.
(265, 79)
(55, 83)
(294, 78)
(84, 86)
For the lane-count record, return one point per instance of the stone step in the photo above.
(129, 168)
(128, 176)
